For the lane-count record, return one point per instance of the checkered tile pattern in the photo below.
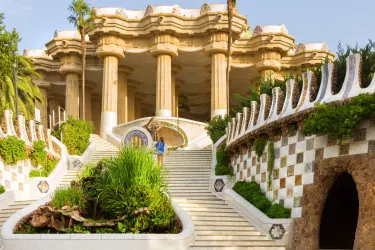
(293, 166)
(14, 177)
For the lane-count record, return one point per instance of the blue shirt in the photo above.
(160, 147)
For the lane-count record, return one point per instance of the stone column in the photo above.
(138, 103)
(88, 101)
(96, 105)
(164, 52)
(177, 93)
(72, 95)
(132, 87)
(71, 67)
(122, 102)
(219, 90)
(110, 52)
(175, 70)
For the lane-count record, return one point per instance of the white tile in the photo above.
(299, 168)
(290, 181)
(288, 203)
(331, 151)
(276, 164)
(307, 178)
(309, 156)
(282, 172)
(282, 193)
(263, 167)
(358, 148)
(297, 191)
(320, 141)
(370, 134)
(292, 139)
(284, 151)
(291, 160)
(296, 212)
(263, 187)
(276, 184)
(300, 146)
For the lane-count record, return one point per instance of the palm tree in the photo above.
(81, 17)
(231, 6)
(28, 92)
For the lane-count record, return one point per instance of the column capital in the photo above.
(125, 69)
(217, 47)
(270, 64)
(71, 64)
(164, 49)
(133, 83)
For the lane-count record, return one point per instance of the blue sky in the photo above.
(307, 20)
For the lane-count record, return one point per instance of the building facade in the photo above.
(164, 61)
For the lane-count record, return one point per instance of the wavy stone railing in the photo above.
(269, 114)
(28, 131)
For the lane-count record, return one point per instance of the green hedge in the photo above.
(46, 169)
(75, 135)
(12, 150)
(252, 193)
(38, 154)
(2, 189)
(216, 127)
(222, 167)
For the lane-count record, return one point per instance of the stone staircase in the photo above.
(104, 149)
(217, 225)
(13, 208)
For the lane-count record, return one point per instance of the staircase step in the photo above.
(208, 209)
(222, 223)
(201, 228)
(200, 200)
(232, 238)
(204, 207)
(217, 218)
(227, 233)
(237, 248)
(235, 243)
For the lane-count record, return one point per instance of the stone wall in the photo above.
(294, 163)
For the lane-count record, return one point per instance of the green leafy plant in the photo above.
(48, 166)
(75, 135)
(12, 150)
(68, 196)
(216, 127)
(34, 173)
(338, 121)
(251, 192)
(223, 164)
(259, 146)
(2, 189)
(38, 154)
(270, 162)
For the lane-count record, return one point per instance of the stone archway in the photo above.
(340, 215)
(306, 230)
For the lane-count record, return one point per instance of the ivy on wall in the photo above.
(270, 162)
(259, 146)
(338, 121)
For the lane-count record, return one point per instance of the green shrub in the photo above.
(127, 183)
(216, 127)
(12, 150)
(251, 192)
(68, 196)
(223, 170)
(2, 189)
(48, 166)
(38, 154)
(34, 173)
(278, 211)
(338, 121)
(270, 162)
(75, 135)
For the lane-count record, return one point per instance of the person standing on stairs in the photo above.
(160, 147)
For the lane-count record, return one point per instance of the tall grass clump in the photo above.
(68, 196)
(123, 185)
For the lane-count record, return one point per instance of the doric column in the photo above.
(138, 103)
(164, 53)
(219, 89)
(175, 71)
(122, 102)
(132, 88)
(96, 105)
(71, 67)
(110, 52)
(88, 91)
(177, 93)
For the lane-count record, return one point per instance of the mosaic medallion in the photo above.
(136, 135)
(277, 231)
(43, 186)
(219, 185)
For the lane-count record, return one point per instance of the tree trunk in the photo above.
(83, 38)
(230, 17)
